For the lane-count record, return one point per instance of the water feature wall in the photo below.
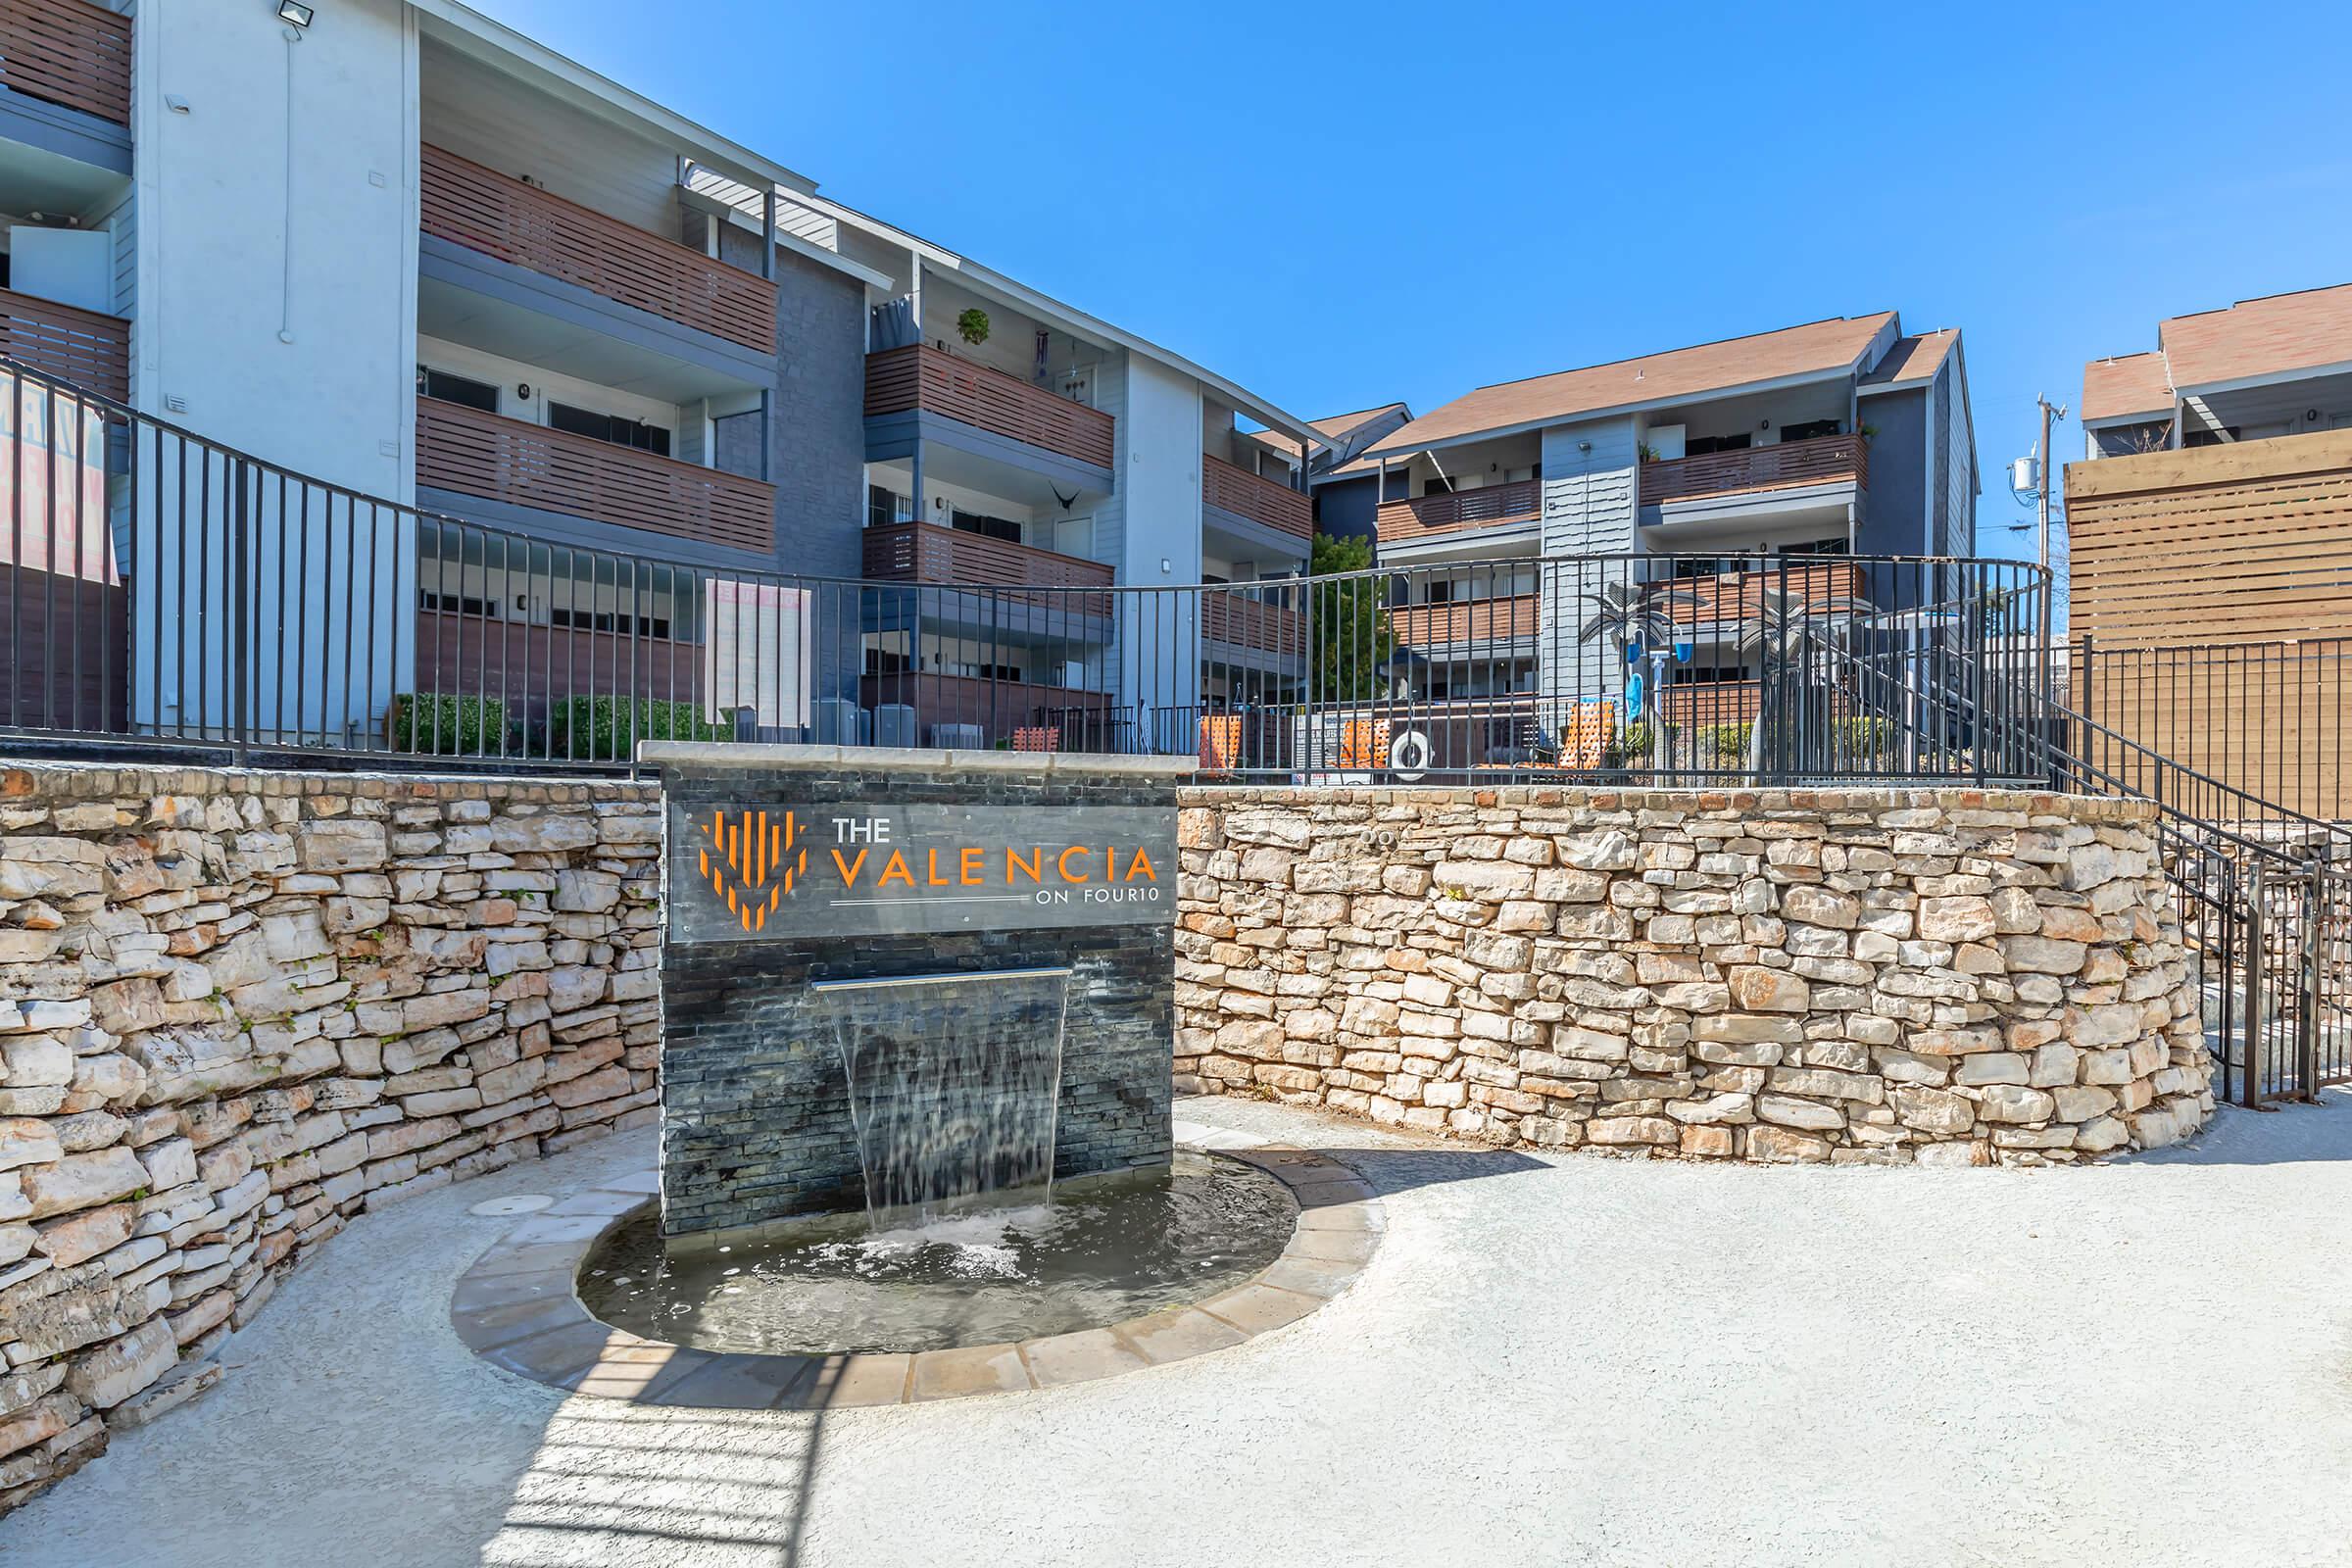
(954, 1080)
(852, 1003)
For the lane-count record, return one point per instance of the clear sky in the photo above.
(1339, 205)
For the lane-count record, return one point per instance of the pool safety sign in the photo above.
(782, 870)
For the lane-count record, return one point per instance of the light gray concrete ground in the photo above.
(1580, 1360)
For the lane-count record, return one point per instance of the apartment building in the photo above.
(1836, 438)
(412, 254)
(1343, 484)
(2215, 496)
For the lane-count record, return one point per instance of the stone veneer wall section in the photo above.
(1838, 975)
(756, 1121)
(237, 1009)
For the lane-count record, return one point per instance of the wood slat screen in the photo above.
(922, 551)
(1737, 595)
(499, 458)
(1245, 623)
(2251, 541)
(83, 347)
(1260, 500)
(1822, 460)
(1521, 501)
(919, 377)
(1468, 624)
(67, 52)
(485, 211)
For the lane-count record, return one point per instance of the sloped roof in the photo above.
(2300, 331)
(1813, 347)
(2137, 383)
(1912, 360)
(1337, 425)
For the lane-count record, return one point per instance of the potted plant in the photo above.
(971, 326)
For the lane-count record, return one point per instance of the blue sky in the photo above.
(1337, 205)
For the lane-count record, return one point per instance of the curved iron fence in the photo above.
(163, 591)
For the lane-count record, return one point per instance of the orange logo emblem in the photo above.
(752, 859)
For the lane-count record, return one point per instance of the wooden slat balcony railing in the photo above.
(1822, 460)
(925, 553)
(1237, 619)
(1238, 490)
(1470, 626)
(67, 52)
(919, 377)
(83, 347)
(1487, 507)
(525, 464)
(486, 211)
(1737, 595)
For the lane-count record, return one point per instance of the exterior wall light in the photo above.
(295, 12)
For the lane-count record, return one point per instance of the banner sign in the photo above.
(779, 871)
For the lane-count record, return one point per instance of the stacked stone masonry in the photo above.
(236, 1010)
(1947, 976)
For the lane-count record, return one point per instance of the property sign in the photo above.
(777, 870)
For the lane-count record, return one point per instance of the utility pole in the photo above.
(2049, 413)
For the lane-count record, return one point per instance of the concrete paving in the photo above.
(1572, 1360)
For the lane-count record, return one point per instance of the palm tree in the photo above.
(1775, 630)
(1632, 615)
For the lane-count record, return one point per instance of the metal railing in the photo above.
(164, 590)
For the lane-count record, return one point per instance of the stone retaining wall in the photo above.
(1841, 975)
(238, 1008)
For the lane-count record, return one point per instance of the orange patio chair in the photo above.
(1221, 742)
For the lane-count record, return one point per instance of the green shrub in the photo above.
(607, 729)
(1724, 743)
(1637, 740)
(1866, 739)
(442, 724)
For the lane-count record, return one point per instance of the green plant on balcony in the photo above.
(607, 729)
(445, 724)
(971, 326)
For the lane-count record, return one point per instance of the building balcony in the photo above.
(485, 210)
(1490, 505)
(1240, 620)
(1247, 496)
(89, 350)
(1731, 596)
(1468, 629)
(70, 53)
(924, 380)
(925, 553)
(1827, 459)
(522, 465)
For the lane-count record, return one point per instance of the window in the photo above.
(885, 506)
(1815, 546)
(1004, 528)
(2209, 438)
(456, 604)
(609, 620)
(448, 389)
(615, 428)
(1808, 430)
(1699, 446)
(887, 662)
(1435, 487)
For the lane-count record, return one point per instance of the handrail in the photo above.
(916, 375)
(468, 204)
(1779, 467)
(1255, 497)
(67, 52)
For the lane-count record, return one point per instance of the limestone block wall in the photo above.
(1841, 975)
(236, 1010)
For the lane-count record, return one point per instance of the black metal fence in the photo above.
(165, 591)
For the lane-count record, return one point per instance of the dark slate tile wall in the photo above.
(755, 1122)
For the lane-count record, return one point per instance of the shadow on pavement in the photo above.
(2293, 1134)
(1399, 1170)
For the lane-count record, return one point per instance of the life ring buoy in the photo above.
(1410, 754)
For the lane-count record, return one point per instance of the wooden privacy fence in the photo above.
(2251, 541)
